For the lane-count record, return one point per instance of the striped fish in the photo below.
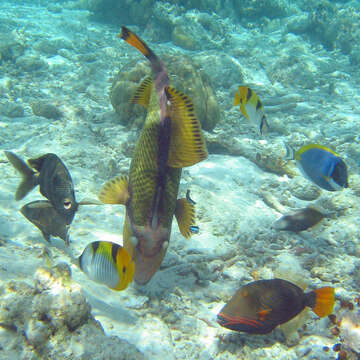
(107, 263)
(251, 107)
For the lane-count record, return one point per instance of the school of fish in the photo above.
(171, 139)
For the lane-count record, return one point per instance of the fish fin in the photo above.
(37, 163)
(126, 268)
(185, 216)
(264, 126)
(132, 39)
(29, 180)
(237, 99)
(290, 153)
(243, 110)
(187, 144)
(45, 235)
(325, 299)
(89, 201)
(115, 191)
(263, 314)
(142, 93)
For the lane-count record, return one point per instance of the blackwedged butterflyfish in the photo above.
(299, 220)
(251, 107)
(170, 140)
(321, 165)
(107, 263)
(44, 216)
(260, 306)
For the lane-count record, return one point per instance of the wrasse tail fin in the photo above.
(115, 191)
(187, 144)
(142, 93)
(29, 176)
(185, 216)
(132, 39)
(325, 299)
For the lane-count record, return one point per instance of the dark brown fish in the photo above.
(43, 215)
(300, 220)
(54, 179)
(260, 306)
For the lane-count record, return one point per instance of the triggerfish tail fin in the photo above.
(132, 39)
(29, 180)
(325, 299)
(185, 216)
(187, 144)
(115, 191)
(142, 93)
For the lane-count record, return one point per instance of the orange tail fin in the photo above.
(325, 299)
(136, 42)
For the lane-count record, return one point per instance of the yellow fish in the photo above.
(170, 140)
(107, 263)
(251, 107)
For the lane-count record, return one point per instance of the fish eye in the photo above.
(67, 204)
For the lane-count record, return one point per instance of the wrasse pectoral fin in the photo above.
(185, 216)
(187, 144)
(263, 313)
(142, 93)
(115, 191)
(325, 299)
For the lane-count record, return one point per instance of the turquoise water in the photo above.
(66, 81)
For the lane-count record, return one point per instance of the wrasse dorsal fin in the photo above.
(115, 191)
(187, 144)
(142, 93)
(185, 216)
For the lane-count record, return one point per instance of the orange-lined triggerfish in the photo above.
(170, 140)
(107, 263)
(251, 107)
(320, 165)
(260, 306)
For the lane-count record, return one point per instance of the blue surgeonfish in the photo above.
(251, 107)
(320, 165)
(107, 263)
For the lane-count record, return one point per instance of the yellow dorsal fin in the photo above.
(187, 144)
(115, 191)
(142, 93)
(185, 216)
(237, 98)
(325, 299)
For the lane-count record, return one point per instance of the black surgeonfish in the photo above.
(43, 215)
(54, 179)
(260, 306)
(299, 220)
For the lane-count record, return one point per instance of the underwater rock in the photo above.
(52, 320)
(185, 76)
(11, 109)
(304, 189)
(11, 47)
(43, 108)
(52, 46)
(31, 63)
(182, 37)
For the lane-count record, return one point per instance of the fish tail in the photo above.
(132, 39)
(324, 302)
(290, 153)
(29, 180)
